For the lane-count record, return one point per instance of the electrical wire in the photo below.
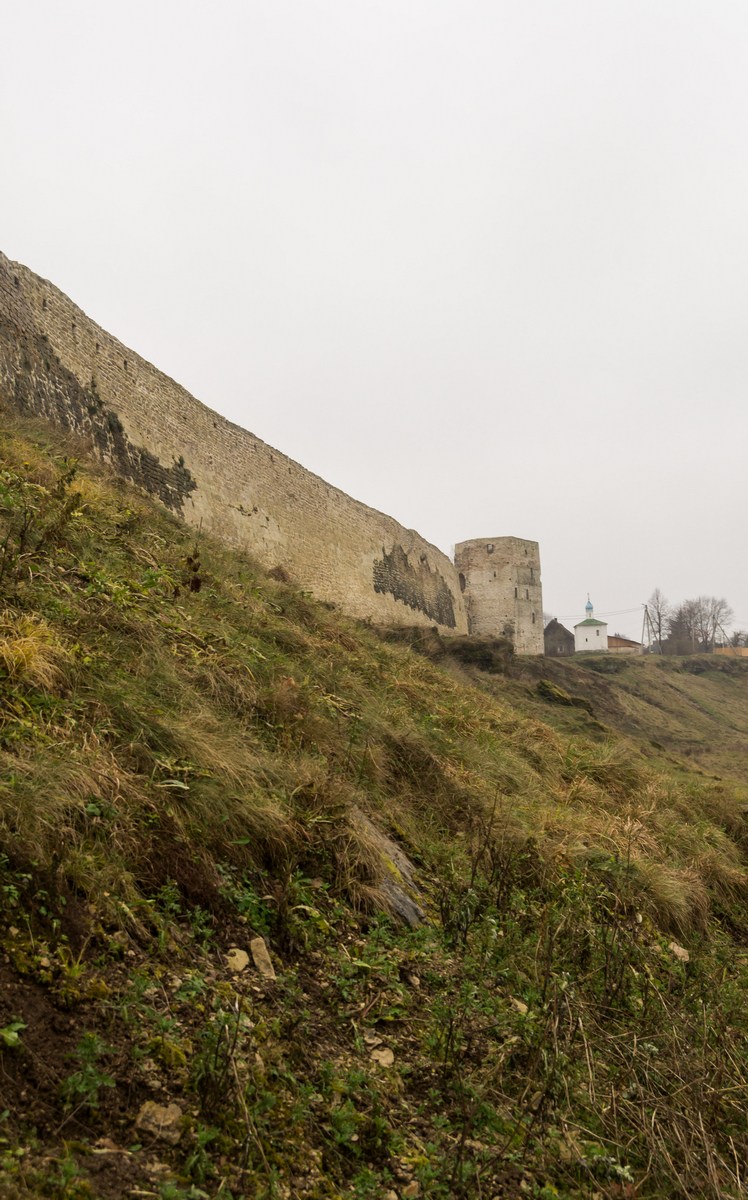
(618, 612)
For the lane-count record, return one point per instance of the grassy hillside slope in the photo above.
(194, 756)
(690, 712)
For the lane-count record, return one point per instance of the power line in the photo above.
(618, 612)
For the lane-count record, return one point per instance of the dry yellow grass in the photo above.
(30, 653)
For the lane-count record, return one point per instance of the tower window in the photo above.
(533, 618)
(462, 582)
(527, 594)
(489, 548)
(515, 593)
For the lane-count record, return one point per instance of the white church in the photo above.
(589, 634)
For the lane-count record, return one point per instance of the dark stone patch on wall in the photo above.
(34, 381)
(420, 588)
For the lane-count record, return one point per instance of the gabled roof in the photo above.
(589, 621)
(554, 626)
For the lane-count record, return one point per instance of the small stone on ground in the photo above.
(237, 960)
(261, 958)
(384, 1057)
(163, 1121)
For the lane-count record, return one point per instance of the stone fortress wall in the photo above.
(57, 364)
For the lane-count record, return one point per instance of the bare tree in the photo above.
(660, 611)
(714, 616)
(696, 625)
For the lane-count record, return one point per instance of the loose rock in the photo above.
(163, 1121)
(237, 960)
(384, 1057)
(261, 958)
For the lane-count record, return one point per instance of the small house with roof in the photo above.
(618, 644)
(590, 635)
(558, 640)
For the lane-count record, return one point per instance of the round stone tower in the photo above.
(500, 579)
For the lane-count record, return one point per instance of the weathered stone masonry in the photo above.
(501, 582)
(57, 364)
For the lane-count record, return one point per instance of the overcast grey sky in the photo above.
(483, 265)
